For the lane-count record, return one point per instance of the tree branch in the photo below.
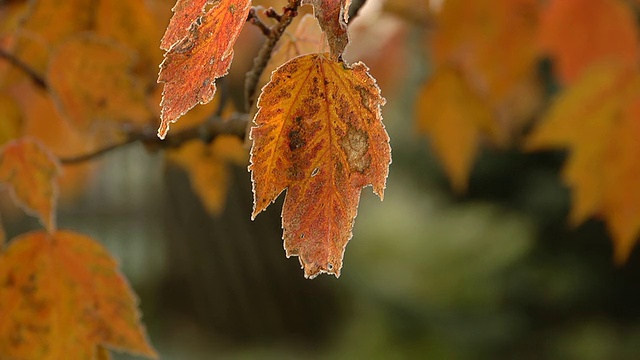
(355, 7)
(206, 132)
(260, 62)
(26, 69)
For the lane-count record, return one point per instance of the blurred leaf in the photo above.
(10, 119)
(597, 120)
(318, 134)
(62, 296)
(455, 119)
(92, 81)
(577, 34)
(30, 171)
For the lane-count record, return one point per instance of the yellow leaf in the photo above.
(455, 119)
(207, 166)
(30, 171)
(61, 297)
(597, 120)
(92, 82)
(318, 134)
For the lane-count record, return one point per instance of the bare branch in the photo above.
(206, 132)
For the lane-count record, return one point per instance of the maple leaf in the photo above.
(61, 297)
(333, 16)
(192, 65)
(30, 172)
(597, 120)
(91, 80)
(455, 118)
(576, 34)
(318, 134)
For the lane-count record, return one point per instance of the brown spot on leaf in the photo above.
(355, 145)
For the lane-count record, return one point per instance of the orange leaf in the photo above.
(30, 172)
(192, 65)
(185, 13)
(333, 16)
(578, 33)
(454, 118)
(597, 119)
(318, 134)
(62, 296)
(92, 82)
(207, 165)
(10, 119)
(492, 41)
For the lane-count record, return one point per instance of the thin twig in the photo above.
(26, 69)
(255, 20)
(260, 62)
(206, 131)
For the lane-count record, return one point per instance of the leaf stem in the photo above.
(26, 69)
(260, 62)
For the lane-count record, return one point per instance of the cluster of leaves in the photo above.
(486, 89)
(79, 75)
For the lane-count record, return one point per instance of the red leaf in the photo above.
(192, 65)
(185, 12)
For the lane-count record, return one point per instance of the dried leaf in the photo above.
(192, 65)
(318, 134)
(333, 16)
(597, 120)
(577, 33)
(92, 81)
(455, 118)
(62, 296)
(30, 172)
(185, 13)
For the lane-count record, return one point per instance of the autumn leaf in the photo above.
(333, 16)
(492, 41)
(455, 118)
(208, 167)
(62, 296)
(91, 78)
(43, 122)
(192, 65)
(30, 172)
(596, 119)
(577, 34)
(185, 13)
(11, 120)
(318, 134)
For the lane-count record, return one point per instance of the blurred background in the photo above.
(494, 272)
